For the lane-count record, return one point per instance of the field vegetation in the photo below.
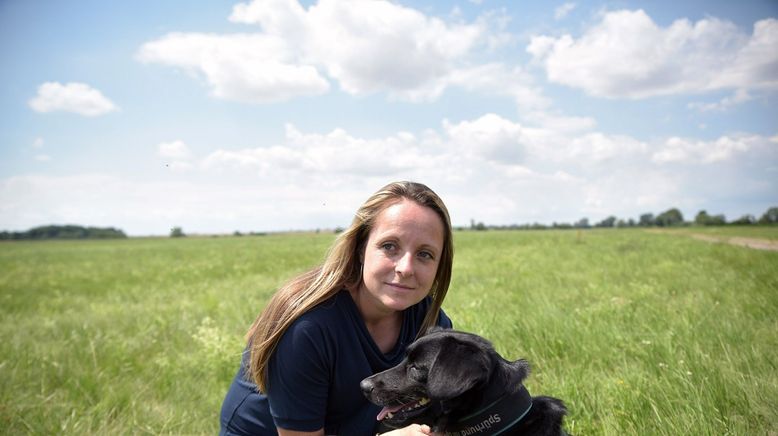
(640, 333)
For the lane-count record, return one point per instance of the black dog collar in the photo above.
(495, 418)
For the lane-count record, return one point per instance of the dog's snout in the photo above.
(367, 386)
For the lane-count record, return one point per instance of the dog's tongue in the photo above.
(387, 410)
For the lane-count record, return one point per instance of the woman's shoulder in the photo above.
(321, 330)
(333, 312)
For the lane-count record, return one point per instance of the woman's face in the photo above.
(401, 257)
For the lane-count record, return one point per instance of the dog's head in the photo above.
(442, 372)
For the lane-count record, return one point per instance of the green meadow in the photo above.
(640, 333)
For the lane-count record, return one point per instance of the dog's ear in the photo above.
(458, 367)
(514, 373)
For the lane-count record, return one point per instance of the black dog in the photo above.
(456, 383)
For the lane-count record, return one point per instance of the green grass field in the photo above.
(640, 333)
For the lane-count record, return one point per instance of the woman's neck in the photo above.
(384, 326)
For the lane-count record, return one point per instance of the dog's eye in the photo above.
(416, 373)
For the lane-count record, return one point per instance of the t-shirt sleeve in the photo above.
(298, 378)
(361, 421)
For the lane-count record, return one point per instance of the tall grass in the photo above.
(639, 333)
(135, 336)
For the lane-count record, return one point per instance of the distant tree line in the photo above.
(669, 218)
(64, 232)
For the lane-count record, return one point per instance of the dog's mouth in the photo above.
(404, 411)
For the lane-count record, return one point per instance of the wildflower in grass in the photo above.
(211, 338)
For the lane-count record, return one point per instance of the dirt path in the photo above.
(759, 244)
(755, 243)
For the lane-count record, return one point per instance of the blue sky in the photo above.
(280, 115)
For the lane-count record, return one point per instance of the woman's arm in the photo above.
(411, 430)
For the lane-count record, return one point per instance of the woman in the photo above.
(381, 285)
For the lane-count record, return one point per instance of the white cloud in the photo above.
(757, 61)
(627, 55)
(485, 142)
(502, 141)
(366, 47)
(37, 145)
(74, 97)
(597, 147)
(175, 150)
(677, 149)
(363, 47)
(524, 170)
(276, 16)
(147, 207)
(177, 155)
(489, 168)
(242, 67)
(555, 121)
(562, 11)
(740, 96)
(490, 136)
(498, 79)
(306, 154)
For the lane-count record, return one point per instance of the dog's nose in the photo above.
(367, 386)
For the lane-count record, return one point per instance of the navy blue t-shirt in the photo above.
(314, 374)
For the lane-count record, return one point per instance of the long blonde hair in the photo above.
(341, 269)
